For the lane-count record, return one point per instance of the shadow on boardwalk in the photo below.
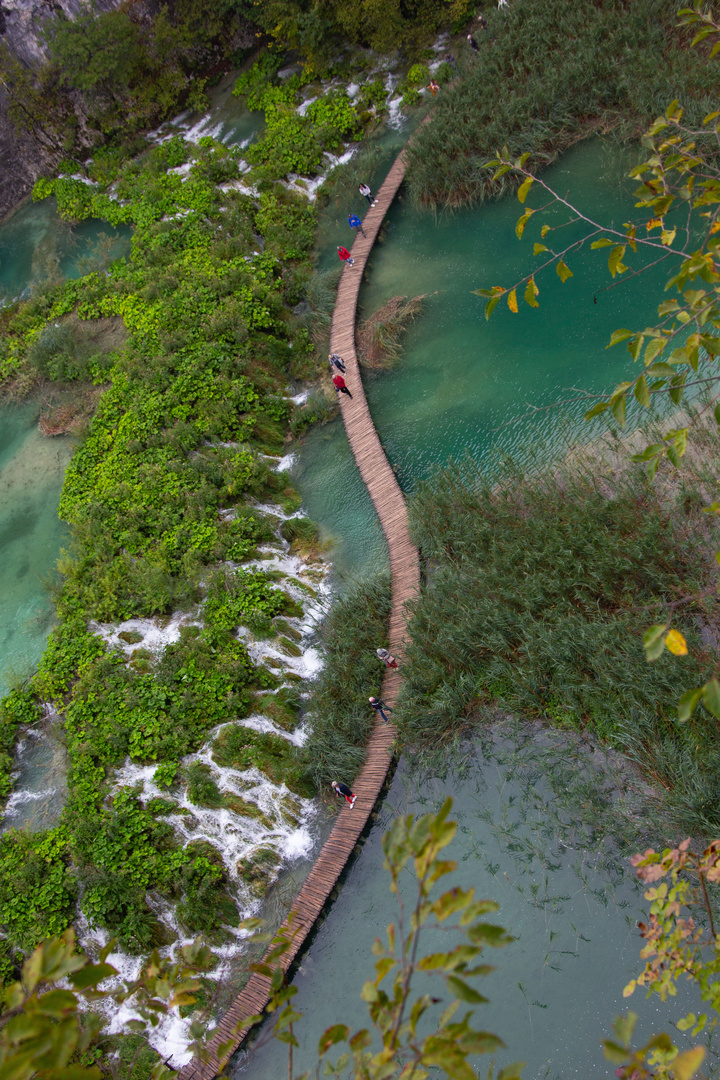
(405, 570)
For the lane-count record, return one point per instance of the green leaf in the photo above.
(531, 292)
(711, 697)
(524, 188)
(491, 304)
(641, 391)
(654, 641)
(522, 222)
(604, 242)
(463, 991)
(91, 975)
(597, 409)
(512, 301)
(618, 409)
(538, 248)
(687, 704)
(563, 271)
(512, 1072)
(57, 1003)
(617, 336)
(615, 264)
(544, 231)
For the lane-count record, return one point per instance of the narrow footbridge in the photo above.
(405, 570)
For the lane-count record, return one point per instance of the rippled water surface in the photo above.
(31, 476)
(464, 384)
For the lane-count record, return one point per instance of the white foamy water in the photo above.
(284, 820)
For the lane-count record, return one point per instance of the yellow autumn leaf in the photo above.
(629, 988)
(512, 301)
(675, 643)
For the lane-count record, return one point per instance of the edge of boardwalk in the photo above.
(389, 503)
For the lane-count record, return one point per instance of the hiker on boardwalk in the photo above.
(339, 384)
(355, 223)
(343, 789)
(386, 658)
(367, 194)
(473, 43)
(337, 361)
(378, 705)
(345, 256)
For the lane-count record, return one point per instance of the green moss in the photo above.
(258, 870)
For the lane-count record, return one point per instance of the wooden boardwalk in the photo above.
(405, 569)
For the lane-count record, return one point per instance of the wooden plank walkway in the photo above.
(405, 571)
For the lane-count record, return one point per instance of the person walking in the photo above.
(343, 790)
(337, 361)
(379, 705)
(340, 387)
(345, 256)
(355, 223)
(386, 658)
(473, 43)
(367, 194)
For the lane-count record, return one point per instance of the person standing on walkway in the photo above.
(337, 361)
(339, 384)
(355, 223)
(367, 194)
(386, 658)
(379, 705)
(345, 256)
(343, 790)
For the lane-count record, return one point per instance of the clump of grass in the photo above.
(539, 594)
(566, 69)
(380, 334)
(341, 716)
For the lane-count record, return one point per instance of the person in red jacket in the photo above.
(340, 386)
(345, 256)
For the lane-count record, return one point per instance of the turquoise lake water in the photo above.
(31, 535)
(464, 384)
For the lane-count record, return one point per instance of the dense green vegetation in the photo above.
(193, 403)
(538, 594)
(342, 717)
(108, 76)
(566, 69)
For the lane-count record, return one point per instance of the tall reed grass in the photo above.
(538, 592)
(546, 75)
(339, 707)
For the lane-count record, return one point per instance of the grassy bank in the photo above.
(538, 593)
(549, 74)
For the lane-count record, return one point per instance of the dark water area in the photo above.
(545, 824)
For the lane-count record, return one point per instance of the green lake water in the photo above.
(31, 475)
(464, 384)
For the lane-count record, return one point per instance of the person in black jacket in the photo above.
(343, 790)
(378, 705)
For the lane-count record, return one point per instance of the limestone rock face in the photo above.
(21, 23)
